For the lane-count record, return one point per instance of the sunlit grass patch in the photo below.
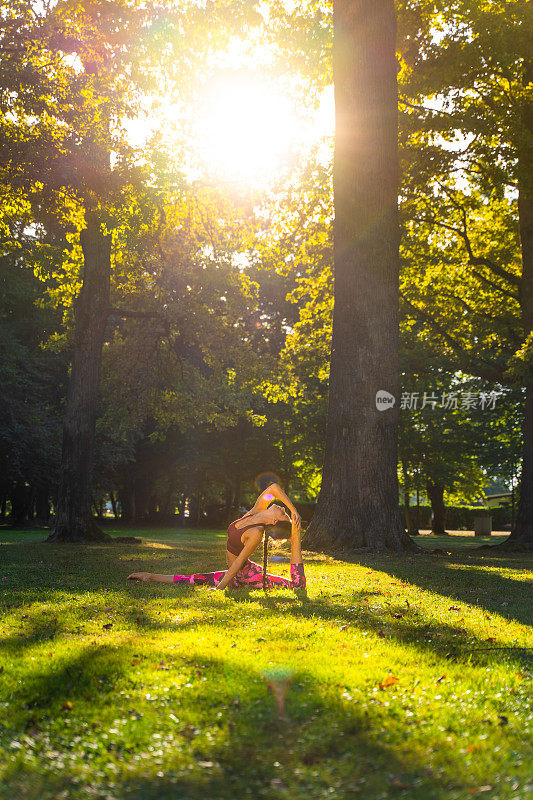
(410, 676)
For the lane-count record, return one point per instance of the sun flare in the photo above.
(246, 130)
(242, 129)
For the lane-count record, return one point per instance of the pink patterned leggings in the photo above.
(251, 574)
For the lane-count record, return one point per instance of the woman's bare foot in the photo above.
(139, 576)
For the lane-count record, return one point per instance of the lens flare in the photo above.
(246, 128)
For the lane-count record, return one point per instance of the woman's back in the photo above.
(234, 543)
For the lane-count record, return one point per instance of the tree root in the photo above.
(516, 546)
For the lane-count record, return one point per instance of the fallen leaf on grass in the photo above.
(66, 706)
(440, 679)
(107, 626)
(398, 784)
(454, 608)
(396, 615)
(390, 680)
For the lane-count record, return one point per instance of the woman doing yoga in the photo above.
(244, 536)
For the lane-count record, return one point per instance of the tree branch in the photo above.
(478, 261)
(511, 333)
(126, 313)
(506, 292)
(476, 366)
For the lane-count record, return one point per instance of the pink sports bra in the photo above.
(234, 544)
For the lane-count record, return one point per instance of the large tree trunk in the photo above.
(113, 500)
(73, 520)
(522, 534)
(358, 504)
(410, 521)
(435, 493)
(181, 511)
(128, 506)
(42, 504)
(21, 508)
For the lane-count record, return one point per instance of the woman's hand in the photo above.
(296, 519)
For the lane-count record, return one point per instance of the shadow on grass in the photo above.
(463, 577)
(38, 569)
(324, 747)
(90, 675)
(408, 627)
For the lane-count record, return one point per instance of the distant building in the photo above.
(497, 500)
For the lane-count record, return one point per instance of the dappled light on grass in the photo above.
(147, 690)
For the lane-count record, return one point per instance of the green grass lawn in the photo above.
(408, 679)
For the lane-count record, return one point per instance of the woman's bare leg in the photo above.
(296, 545)
(150, 576)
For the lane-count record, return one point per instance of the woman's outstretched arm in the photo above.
(279, 494)
(254, 537)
